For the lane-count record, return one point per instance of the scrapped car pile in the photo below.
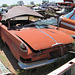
(34, 44)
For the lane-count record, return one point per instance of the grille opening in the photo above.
(55, 54)
(25, 60)
(22, 59)
(28, 59)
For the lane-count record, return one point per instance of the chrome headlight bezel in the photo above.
(73, 36)
(23, 47)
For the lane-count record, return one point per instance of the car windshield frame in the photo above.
(42, 24)
(39, 24)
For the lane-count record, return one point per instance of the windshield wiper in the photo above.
(29, 25)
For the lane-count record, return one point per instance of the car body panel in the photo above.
(67, 31)
(13, 42)
(35, 38)
(38, 39)
(68, 23)
(31, 42)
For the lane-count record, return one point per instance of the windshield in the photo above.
(48, 22)
(42, 23)
(20, 24)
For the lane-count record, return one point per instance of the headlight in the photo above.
(23, 47)
(73, 36)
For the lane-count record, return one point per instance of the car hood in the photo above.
(40, 39)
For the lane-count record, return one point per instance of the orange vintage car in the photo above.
(32, 44)
(68, 21)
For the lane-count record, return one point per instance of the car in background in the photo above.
(54, 24)
(3, 11)
(62, 11)
(67, 3)
(68, 21)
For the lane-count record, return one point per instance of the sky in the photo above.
(11, 2)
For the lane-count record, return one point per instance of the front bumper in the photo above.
(37, 63)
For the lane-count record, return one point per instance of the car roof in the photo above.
(20, 11)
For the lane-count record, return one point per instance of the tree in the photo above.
(37, 4)
(32, 2)
(4, 5)
(21, 3)
(14, 5)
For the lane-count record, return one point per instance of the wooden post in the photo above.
(8, 25)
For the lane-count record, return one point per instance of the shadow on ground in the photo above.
(9, 56)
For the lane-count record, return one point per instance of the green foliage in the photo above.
(14, 5)
(3, 58)
(37, 4)
(4, 5)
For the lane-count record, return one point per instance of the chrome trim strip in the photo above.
(25, 46)
(51, 38)
(66, 24)
(47, 35)
(57, 44)
(35, 64)
(38, 63)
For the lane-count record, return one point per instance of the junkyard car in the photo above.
(32, 44)
(68, 21)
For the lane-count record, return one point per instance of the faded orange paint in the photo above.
(38, 39)
(67, 31)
